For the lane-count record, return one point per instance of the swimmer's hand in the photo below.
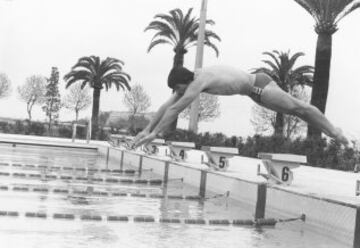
(138, 137)
(145, 140)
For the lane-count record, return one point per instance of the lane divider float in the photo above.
(101, 193)
(152, 219)
(83, 179)
(67, 168)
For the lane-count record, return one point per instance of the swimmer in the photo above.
(225, 80)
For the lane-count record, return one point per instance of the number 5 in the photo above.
(222, 162)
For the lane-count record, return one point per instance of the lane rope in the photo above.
(97, 193)
(151, 219)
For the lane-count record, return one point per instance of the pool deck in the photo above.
(47, 141)
(312, 181)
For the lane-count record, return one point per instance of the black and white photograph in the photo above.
(179, 123)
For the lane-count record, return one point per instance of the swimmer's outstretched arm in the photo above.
(157, 117)
(193, 90)
(161, 111)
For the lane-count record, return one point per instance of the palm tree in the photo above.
(181, 32)
(98, 74)
(327, 14)
(282, 71)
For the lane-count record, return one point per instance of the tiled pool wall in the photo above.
(333, 219)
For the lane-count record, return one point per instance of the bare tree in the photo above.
(208, 109)
(136, 100)
(32, 92)
(77, 99)
(264, 120)
(5, 85)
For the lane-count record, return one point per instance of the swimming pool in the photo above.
(72, 198)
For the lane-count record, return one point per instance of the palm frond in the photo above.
(187, 18)
(210, 34)
(350, 8)
(305, 69)
(272, 65)
(178, 30)
(283, 71)
(211, 45)
(165, 34)
(273, 57)
(167, 18)
(309, 8)
(177, 15)
(294, 58)
(83, 84)
(156, 42)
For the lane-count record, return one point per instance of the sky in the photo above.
(39, 34)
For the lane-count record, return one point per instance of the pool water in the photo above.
(33, 190)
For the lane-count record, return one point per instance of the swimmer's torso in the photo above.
(224, 80)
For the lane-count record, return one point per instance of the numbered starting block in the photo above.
(178, 150)
(218, 157)
(279, 166)
(121, 140)
(156, 147)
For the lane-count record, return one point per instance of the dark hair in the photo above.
(179, 75)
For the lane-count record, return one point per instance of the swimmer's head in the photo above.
(179, 78)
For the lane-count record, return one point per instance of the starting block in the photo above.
(156, 147)
(279, 166)
(218, 157)
(178, 150)
(121, 140)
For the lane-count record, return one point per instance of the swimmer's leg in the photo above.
(274, 98)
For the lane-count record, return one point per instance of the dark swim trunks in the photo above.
(261, 80)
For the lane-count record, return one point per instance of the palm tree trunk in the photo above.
(279, 125)
(95, 113)
(321, 78)
(179, 58)
(178, 61)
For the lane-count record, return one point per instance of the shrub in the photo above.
(319, 152)
(36, 128)
(65, 131)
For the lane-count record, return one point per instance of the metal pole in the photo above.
(140, 164)
(260, 207)
(74, 132)
(194, 112)
(88, 133)
(202, 191)
(122, 160)
(107, 157)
